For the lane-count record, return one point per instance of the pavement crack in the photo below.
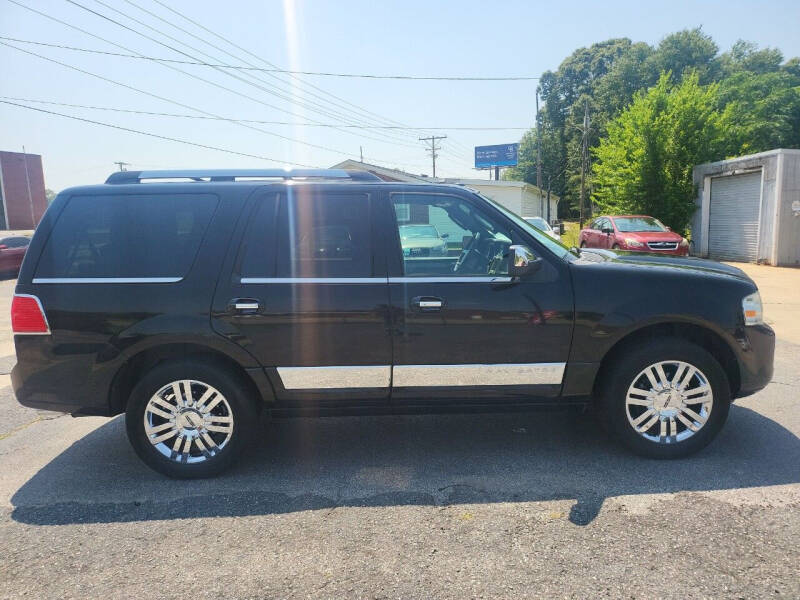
(19, 428)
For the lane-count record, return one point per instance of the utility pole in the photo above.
(539, 155)
(122, 165)
(432, 139)
(584, 152)
(361, 152)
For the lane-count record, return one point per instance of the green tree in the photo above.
(746, 56)
(645, 163)
(762, 110)
(688, 50)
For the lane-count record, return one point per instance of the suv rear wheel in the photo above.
(665, 398)
(189, 419)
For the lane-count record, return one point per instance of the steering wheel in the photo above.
(471, 261)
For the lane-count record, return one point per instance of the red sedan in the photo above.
(12, 251)
(639, 233)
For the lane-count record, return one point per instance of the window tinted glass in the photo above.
(258, 249)
(324, 236)
(469, 242)
(639, 224)
(127, 236)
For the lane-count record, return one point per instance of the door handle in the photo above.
(427, 303)
(246, 306)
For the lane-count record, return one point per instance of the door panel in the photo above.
(320, 326)
(474, 332)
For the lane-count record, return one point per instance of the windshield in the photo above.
(556, 247)
(417, 231)
(539, 223)
(631, 224)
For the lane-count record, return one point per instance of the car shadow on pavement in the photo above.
(305, 464)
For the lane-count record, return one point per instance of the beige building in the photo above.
(522, 198)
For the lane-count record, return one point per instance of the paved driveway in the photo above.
(532, 505)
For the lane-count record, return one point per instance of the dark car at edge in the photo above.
(196, 301)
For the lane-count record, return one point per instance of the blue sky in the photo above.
(416, 38)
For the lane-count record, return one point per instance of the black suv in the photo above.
(193, 301)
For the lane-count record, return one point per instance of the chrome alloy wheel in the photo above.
(669, 401)
(188, 421)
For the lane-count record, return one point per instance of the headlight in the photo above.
(633, 243)
(752, 309)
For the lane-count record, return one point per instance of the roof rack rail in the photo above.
(239, 174)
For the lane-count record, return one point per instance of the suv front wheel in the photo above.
(189, 419)
(665, 398)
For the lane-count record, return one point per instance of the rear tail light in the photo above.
(27, 315)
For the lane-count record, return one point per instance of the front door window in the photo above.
(442, 235)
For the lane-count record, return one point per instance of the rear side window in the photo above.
(127, 236)
(324, 235)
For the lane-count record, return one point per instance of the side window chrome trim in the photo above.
(107, 279)
(246, 280)
(314, 280)
(501, 279)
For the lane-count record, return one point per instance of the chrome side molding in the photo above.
(382, 376)
(477, 375)
(322, 378)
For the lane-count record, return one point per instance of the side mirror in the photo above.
(444, 236)
(607, 230)
(522, 261)
(669, 228)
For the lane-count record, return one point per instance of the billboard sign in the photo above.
(502, 155)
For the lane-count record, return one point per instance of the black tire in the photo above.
(242, 407)
(625, 370)
(615, 247)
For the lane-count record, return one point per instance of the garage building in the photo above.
(749, 209)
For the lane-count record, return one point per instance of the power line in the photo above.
(291, 100)
(325, 97)
(169, 47)
(158, 136)
(291, 123)
(311, 105)
(272, 70)
(299, 80)
(179, 71)
(175, 102)
(218, 117)
(326, 109)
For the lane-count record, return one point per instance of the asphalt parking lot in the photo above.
(533, 505)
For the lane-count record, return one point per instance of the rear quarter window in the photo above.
(148, 235)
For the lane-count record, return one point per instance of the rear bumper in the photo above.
(64, 382)
(756, 353)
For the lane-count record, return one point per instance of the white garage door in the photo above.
(733, 217)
